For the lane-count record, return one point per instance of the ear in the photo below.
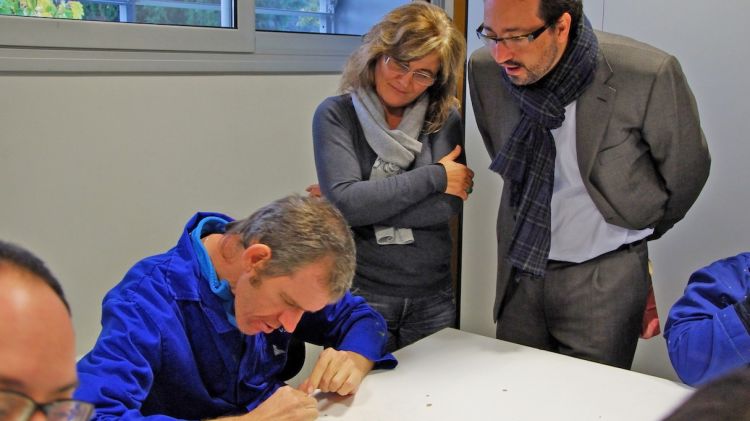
(562, 27)
(255, 256)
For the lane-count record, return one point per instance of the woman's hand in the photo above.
(460, 177)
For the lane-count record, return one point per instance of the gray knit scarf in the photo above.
(527, 160)
(396, 148)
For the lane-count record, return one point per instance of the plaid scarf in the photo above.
(527, 160)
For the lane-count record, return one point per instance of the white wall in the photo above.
(97, 172)
(710, 42)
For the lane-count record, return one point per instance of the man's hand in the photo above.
(286, 404)
(337, 371)
(460, 177)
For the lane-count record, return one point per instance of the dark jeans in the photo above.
(411, 319)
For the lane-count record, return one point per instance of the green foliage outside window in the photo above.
(285, 22)
(110, 12)
(181, 16)
(43, 8)
(101, 11)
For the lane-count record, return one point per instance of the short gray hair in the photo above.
(301, 230)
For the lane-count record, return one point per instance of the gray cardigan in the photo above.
(413, 199)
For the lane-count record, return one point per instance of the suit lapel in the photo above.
(593, 110)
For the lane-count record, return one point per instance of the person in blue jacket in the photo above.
(202, 331)
(708, 329)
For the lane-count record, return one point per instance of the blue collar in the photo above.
(220, 287)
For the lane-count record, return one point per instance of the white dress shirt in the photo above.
(579, 231)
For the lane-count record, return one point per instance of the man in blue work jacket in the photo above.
(202, 331)
(708, 329)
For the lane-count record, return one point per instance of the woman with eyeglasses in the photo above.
(388, 155)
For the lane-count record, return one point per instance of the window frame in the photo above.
(49, 33)
(43, 45)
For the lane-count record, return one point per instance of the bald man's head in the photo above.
(37, 349)
(12, 255)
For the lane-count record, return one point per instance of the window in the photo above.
(207, 13)
(144, 25)
(183, 35)
(343, 17)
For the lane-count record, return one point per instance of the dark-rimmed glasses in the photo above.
(15, 406)
(419, 76)
(514, 42)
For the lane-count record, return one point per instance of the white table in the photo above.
(455, 375)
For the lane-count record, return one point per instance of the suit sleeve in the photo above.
(706, 335)
(475, 93)
(349, 325)
(363, 202)
(672, 130)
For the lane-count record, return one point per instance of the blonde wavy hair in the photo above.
(408, 33)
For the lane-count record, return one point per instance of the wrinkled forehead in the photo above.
(310, 286)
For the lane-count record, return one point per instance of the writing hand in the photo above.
(286, 404)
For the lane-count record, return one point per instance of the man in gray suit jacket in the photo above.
(598, 141)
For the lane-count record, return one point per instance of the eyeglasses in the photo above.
(16, 406)
(421, 77)
(515, 42)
